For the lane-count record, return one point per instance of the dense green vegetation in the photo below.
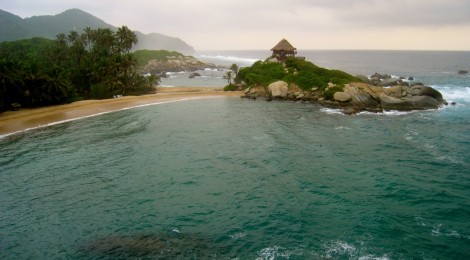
(144, 56)
(95, 64)
(303, 73)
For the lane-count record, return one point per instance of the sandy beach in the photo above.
(14, 121)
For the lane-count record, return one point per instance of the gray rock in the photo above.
(408, 103)
(462, 72)
(381, 76)
(416, 84)
(394, 91)
(389, 82)
(366, 97)
(349, 111)
(426, 91)
(375, 81)
(194, 74)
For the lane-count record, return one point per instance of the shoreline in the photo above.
(12, 122)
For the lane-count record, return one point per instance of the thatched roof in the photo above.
(283, 45)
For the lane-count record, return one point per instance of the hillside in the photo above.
(13, 27)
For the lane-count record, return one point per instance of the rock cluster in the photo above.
(176, 64)
(366, 97)
(385, 80)
(356, 97)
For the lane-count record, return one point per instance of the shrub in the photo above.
(230, 87)
(262, 73)
(100, 91)
(330, 92)
(303, 73)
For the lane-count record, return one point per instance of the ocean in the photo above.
(229, 178)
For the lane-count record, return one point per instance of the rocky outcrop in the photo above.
(175, 64)
(463, 72)
(356, 97)
(385, 80)
(365, 97)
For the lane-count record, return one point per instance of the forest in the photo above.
(95, 64)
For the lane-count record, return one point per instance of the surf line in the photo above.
(101, 113)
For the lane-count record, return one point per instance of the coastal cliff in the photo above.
(162, 61)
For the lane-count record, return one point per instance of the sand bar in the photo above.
(15, 121)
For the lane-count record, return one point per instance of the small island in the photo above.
(283, 76)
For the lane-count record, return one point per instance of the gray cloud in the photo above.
(228, 22)
(418, 13)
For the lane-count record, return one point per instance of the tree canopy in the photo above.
(94, 64)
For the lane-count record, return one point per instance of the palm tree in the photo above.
(125, 39)
(61, 39)
(56, 86)
(73, 37)
(88, 37)
(228, 77)
(235, 68)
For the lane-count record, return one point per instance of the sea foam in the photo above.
(244, 61)
(454, 93)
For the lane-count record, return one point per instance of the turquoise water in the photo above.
(226, 178)
(223, 178)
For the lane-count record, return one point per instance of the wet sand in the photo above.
(14, 121)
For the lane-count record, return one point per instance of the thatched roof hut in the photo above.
(283, 49)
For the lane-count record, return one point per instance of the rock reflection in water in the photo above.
(151, 246)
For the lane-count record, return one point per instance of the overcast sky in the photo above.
(260, 24)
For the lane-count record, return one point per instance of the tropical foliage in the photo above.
(303, 73)
(230, 75)
(144, 56)
(94, 64)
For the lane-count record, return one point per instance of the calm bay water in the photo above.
(227, 178)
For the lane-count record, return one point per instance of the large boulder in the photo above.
(342, 97)
(194, 74)
(363, 96)
(395, 91)
(420, 90)
(278, 89)
(408, 103)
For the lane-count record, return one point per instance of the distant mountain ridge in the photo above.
(13, 27)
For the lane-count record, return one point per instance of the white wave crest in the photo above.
(97, 114)
(276, 252)
(454, 93)
(229, 58)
